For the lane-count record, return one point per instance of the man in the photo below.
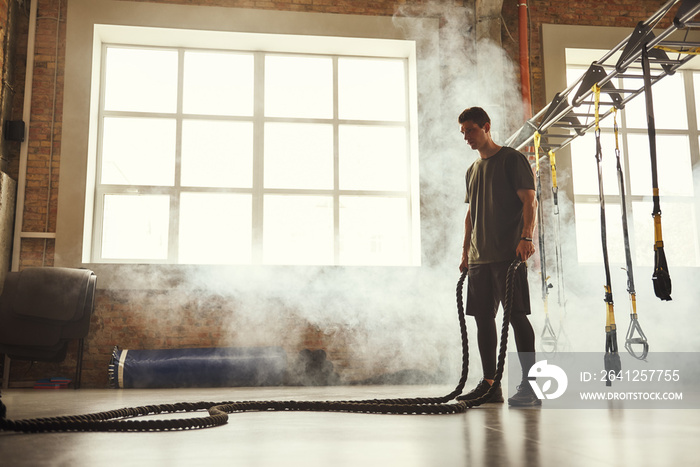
(498, 228)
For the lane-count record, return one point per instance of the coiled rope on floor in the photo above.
(122, 419)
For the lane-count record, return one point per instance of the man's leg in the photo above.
(481, 303)
(523, 332)
(524, 336)
(487, 338)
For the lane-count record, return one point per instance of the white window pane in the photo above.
(585, 166)
(573, 73)
(298, 230)
(298, 155)
(215, 228)
(373, 158)
(674, 168)
(696, 88)
(217, 153)
(217, 83)
(589, 239)
(371, 89)
(141, 80)
(669, 104)
(300, 87)
(135, 227)
(373, 231)
(138, 151)
(680, 236)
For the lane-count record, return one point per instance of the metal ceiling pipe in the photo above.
(24, 148)
(524, 59)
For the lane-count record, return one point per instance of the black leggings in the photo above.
(487, 338)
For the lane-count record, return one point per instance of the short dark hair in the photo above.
(476, 115)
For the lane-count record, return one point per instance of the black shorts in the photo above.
(486, 289)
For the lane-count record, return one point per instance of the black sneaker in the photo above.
(481, 389)
(524, 397)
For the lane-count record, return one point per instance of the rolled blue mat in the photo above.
(197, 368)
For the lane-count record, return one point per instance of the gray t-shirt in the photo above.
(496, 209)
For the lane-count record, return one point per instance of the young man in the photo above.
(498, 229)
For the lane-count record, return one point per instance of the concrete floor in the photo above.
(484, 436)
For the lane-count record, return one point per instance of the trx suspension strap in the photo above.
(634, 327)
(548, 339)
(661, 277)
(557, 246)
(612, 358)
(561, 301)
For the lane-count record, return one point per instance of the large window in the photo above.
(249, 156)
(676, 117)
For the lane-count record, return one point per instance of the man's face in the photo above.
(474, 135)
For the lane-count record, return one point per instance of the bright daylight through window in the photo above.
(237, 157)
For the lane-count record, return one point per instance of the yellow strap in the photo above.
(553, 163)
(617, 142)
(536, 139)
(691, 51)
(596, 92)
(610, 318)
(658, 239)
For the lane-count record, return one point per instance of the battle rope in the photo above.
(548, 338)
(634, 326)
(660, 277)
(612, 358)
(116, 420)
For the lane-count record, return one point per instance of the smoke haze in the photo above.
(389, 319)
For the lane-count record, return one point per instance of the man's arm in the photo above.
(464, 265)
(526, 248)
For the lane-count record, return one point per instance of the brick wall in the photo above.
(17, 56)
(355, 7)
(173, 319)
(44, 127)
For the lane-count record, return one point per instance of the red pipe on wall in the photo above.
(524, 59)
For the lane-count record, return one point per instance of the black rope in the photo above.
(120, 420)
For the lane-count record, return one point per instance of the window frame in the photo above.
(91, 22)
(258, 190)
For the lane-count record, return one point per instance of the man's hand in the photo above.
(525, 249)
(464, 265)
